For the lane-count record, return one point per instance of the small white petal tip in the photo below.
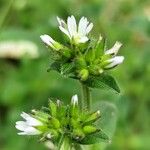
(74, 99)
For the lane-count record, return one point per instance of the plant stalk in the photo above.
(86, 96)
(65, 144)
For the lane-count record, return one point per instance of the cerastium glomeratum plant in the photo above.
(88, 61)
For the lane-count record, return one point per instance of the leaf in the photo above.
(67, 69)
(103, 81)
(108, 117)
(54, 66)
(95, 138)
(107, 121)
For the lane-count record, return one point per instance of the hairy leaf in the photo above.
(95, 138)
(103, 81)
(54, 66)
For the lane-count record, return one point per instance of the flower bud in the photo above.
(93, 117)
(75, 107)
(78, 134)
(90, 55)
(50, 42)
(89, 129)
(84, 74)
(53, 108)
(95, 70)
(56, 46)
(80, 62)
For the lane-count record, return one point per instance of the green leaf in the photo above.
(103, 81)
(107, 121)
(108, 117)
(54, 66)
(67, 69)
(95, 138)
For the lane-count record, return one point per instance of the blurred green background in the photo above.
(25, 83)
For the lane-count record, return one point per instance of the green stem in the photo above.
(65, 144)
(86, 96)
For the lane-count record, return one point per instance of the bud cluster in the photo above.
(87, 56)
(57, 120)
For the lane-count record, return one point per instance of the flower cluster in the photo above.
(59, 120)
(85, 56)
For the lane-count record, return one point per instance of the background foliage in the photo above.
(25, 83)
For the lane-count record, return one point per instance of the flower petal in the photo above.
(47, 40)
(82, 26)
(83, 39)
(30, 120)
(61, 22)
(89, 28)
(114, 50)
(72, 26)
(22, 126)
(74, 99)
(65, 31)
(114, 61)
(32, 131)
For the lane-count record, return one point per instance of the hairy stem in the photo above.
(86, 96)
(65, 144)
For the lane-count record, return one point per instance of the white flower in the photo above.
(50, 42)
(17, 49)
(114, 61)
(74, 100)
(77, 34)
(28, 127)
(114, 50)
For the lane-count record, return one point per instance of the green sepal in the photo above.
(92, 117)
(89, 129)
(100, 47)
(53, 108)
(54, 123)
(90, 55)
(80, 62)
(78, 134)
(66, 52)
(40, 115)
